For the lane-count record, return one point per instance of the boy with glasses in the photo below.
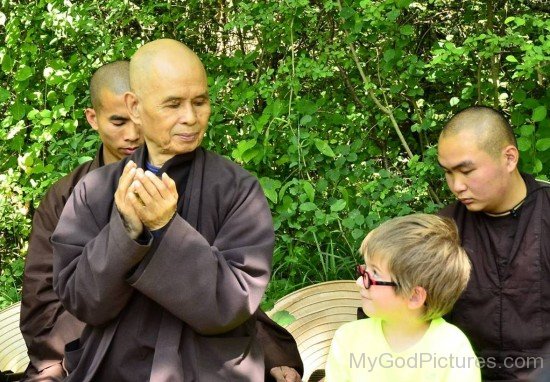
(415, 269)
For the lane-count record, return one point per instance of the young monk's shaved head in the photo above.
(491, 130)
(155, 60)
(114, 77)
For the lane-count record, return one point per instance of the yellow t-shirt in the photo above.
(359, 352)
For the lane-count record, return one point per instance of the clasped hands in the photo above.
(144, 200)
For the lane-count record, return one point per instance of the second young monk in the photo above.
(415, 269)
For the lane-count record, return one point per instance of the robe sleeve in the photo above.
(280, 348)
(91, 262)
(213, 288)
(45, 324)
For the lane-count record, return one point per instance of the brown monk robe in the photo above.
(47, 326)
(177, 306)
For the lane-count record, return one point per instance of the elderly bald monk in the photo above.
(166, 254)
(504, 222)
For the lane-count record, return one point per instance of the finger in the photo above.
(136, 205)
(170, 184)
(148, 184)
(291, 375)
(127, 176)
(159, 185)
(277, 373)
(139, 191)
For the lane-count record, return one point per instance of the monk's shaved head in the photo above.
(154, 60)
(490, 128)
(114, 77)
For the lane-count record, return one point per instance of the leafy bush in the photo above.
(335, 105)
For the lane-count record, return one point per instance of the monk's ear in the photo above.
(417, 298)
(91, 116)
(511, 155)
(132, 104)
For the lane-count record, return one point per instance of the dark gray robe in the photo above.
(505, 309)
(197, 285)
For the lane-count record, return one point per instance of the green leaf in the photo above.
(519, 21)
(357, 234)
(7, 63)
(537, 167)
(17, 110)
(46, 122)
(270, 187)
(543, 144)
(407, 30)
(4, 95)
(527, 130)
(242, 148)
(454, 101)
(338, 205)
(404, 3)
(309, 190)
(324, 148)
(524, 144)
(283, 318)
(347, 12)
(29, 160)
(519, 95)
(305, 119)
(308, 206)
(539, 113)
(84, 159)
(69, 101)
(511, 58)
(389, 54)
(24, 73)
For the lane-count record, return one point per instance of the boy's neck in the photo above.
(405, 333)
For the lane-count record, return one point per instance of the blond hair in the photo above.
(422, 250)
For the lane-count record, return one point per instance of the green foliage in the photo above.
(283, 318)
(15, 225)
(310, 96)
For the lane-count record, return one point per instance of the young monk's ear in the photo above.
(511, 154)
(418, 298)
(91, 117)
(132, 104)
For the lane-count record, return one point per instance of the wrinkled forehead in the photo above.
(164, 67)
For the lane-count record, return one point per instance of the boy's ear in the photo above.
(418, 298)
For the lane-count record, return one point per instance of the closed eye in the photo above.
(200, 101)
